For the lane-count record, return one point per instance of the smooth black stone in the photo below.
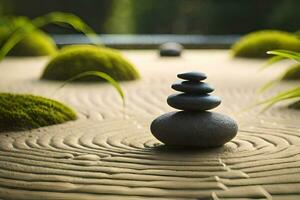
(193, 102)
(170, 49)
(192, 76)
(194, 129)
(192, 87)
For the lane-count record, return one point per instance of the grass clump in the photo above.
(293, 73)
(37, 43)
(24, 112)
(256, 44)
(76, 59)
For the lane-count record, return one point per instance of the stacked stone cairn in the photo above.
(194, 125)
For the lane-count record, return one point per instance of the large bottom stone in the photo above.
(195, 129)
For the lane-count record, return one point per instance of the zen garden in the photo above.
(149, 99)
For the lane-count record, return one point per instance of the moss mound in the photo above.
(75, 59)
(295, 105)
(36, 43)
(24, 112)
(256, 44)
(293, 73)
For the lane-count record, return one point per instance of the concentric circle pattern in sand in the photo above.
(110, 153)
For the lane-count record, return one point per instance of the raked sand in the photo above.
(109, 153)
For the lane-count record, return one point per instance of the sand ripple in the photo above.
(107, 154)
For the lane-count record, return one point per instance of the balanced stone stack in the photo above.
(194, 126)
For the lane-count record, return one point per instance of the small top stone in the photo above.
(170, 49)
(192, 76)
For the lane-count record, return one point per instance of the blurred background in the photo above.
(190, 17)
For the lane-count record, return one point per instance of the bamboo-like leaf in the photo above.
(15, 38)
(293, 91)
(280, 55)
(271, 61)
(268, 85)
(286, 54)
(27, 26)
(290, 94)
(100, 75)
(63, 19)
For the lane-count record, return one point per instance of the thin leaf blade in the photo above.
(14, 39)
(62, 19)
(58, 18)
(286, 95)
(271, 61)
(99, 74)
(286, 54)
(267, 86)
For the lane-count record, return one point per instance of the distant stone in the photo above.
(192, 87)
(170, 49)
(194, 129)
(192, 76)
(193, 102)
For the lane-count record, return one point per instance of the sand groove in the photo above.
(106, 155)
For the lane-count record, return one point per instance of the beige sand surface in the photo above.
(106, 155)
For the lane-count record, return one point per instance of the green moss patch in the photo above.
(24, 112)
(36, 43)
(293, 73)
(256, 44)
(295, 105)
(75, 59)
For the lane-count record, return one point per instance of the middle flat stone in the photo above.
(192, 87)
(193, 102)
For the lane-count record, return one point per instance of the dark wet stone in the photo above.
(192, 76)
(194, 129)
(193, 102)
(170, 49)
(192, 87)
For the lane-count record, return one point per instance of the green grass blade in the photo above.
(286, 54)
(271, 61)
(268, 85)
(100, 75)
(58, 18)
(283, 95)
(63, 19)
(290, 94)
(15, 38)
